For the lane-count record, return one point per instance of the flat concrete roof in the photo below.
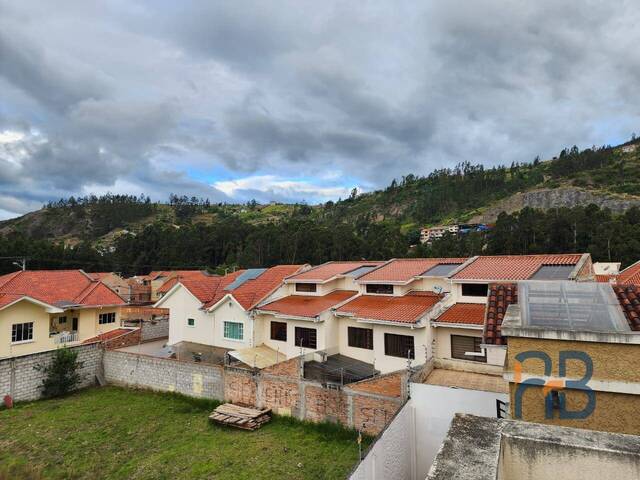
(480, 448)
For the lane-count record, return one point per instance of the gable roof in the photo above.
(407, 309)
(406, 269)
(512, 267)
(307, 305)
(327, 271)
(209, 290)
(60, 288)
(181, 275)
(463, 313)
(630, 275)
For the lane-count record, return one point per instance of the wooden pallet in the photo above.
(240, 417)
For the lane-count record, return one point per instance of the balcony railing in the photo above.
(64, 337)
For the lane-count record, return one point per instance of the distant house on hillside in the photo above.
(42, 310)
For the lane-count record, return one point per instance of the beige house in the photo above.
(42, 310)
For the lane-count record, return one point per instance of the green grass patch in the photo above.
(113, 432)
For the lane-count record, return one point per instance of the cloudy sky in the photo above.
(299, 100)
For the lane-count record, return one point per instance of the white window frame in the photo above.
(29, 340)
(104, 315)
(224, 333)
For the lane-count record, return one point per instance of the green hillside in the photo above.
(133, 234)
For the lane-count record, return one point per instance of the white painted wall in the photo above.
(406, 449)
(229, 310)
(442, 337)
(456, 289)
(435, 407)
(391, 457)
(263, 334)
(183, 305)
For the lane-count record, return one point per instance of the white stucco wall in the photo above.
(442, 337)
(229, 310)
(459, 298)
(382, 362)
(435, 407)
(183, 305)
(392, 455)
(263, 334)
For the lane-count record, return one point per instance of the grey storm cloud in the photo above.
(161, 97)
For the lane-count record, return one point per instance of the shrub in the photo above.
(61, 375)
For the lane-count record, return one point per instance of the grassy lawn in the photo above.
(118, 433)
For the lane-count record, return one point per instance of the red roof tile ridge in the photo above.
(630, 275)
(86, 292)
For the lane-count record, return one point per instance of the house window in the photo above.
(104, 318)
(234, 331)
(62, 320)
(306, 337)
(191, 322)
(461, 344)
(360, 337)
(399, 346)
(474, 289)
(380, 289)
(279, 331)
(306, 287)
(21, 332)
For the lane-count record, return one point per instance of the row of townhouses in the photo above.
(388, 315)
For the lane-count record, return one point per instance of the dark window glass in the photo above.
(375, 288)
(306, 337)
(399, 346)
(461, 344)
(21, 332)
(62, 319)
(474, 289)
(107, 318)
(360, 337)
(306, 287)
(279, 331)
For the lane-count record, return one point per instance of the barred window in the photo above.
(399, 346)
(360, 337)
(279, 331)
(306, 337)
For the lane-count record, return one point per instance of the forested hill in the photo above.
(133, 234)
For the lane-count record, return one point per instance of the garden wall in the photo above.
(20, 379)
(155, 329)
(368, 405)
(163, 374)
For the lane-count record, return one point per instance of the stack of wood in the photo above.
(241, 417)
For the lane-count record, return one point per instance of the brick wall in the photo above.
(240, 386)
(390, 384)
(20, 379)
(188, 378)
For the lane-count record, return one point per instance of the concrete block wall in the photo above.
(162, 374)
(154, 329)
(20, 379)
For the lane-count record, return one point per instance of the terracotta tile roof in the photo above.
(210, 290)
(62, 288)
(500, 297)
(181, 275)
(466, 313)
(307, 305)
(98, 275)
(108, 335)
(404, 269)
(629, 298)
(406, 309)
(326, 271)
(511, 267)
(605, 278)
(630, 275)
